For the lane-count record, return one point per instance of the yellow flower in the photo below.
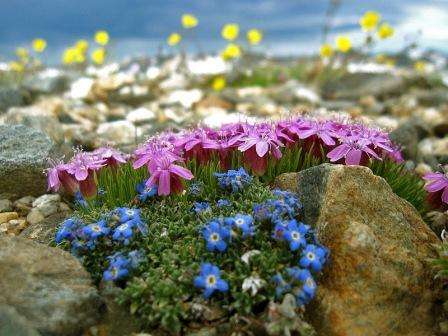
(230, 31)
(102, 37)
(16, 66)
(385, 31)
(369, 20)
(174, 39)
(420, 66)
(22, 53)
(219, 83)
(189, 21)
(343, 43)
(82, 45)
(254, 36)
(231, 51)
(73, 55)
(39, 45)
(98, 56)
(326, 50)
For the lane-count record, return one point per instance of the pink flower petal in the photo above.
(181, 171)
(445, 195)
(262, 148)
(353, 157)
(436, 185)
(338, 153)
(164, 183)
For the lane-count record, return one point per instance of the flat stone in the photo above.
(5, 217)
(35, 216)
(23, 205)
(5, 205)
(44, 230)
(54, 294)
(379, 280)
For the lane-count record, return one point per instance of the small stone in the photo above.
(35, 216)
(5, 205)
(23, 205)
(47, 204)
(15, 226)
(46, 199)
(5, 217)
(63, 207)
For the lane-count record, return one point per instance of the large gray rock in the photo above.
(13, 324)
(408, 136)
(355, 85)
(38, 118)
(23, 157)
(47, 286)
(11, 97)
(378, 280)
(47, 81)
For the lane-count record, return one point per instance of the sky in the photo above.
(140, 26)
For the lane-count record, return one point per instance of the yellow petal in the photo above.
(230, 31)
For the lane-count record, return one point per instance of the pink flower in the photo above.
(437, 183)
(259, 141)
(155, 147)
(354, 150)
(58, 176)
(82, 167)
(324, 131)
(167, 175)
(111, 156)
(192, 144)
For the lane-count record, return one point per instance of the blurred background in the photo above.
(140, 27)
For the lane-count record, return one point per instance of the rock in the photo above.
(118, 132)
(174, 81)
(80, 88)
(11, 97)
(294, 92)
(47, 204)
(7, 216)
(436, 119)
(5, 205)
(408, 135)
(47, 81)
(15, 226)
(354, 85)
(23, 157)
(35, 216)
(37, 118)
(185, 98)
(379, 280)
(44, 230)
(54, 293)
(208, 66)
(214, 101)
(23, 205)
(13, 324)
(434, 150)
(140, 116)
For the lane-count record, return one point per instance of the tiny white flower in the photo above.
(252, 283)
(246, 256)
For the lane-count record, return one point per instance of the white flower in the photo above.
(253, 283)
(246, 256)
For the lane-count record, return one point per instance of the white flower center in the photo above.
(311, 256)
(310, 282)
(123, 227)
(130, 212)
(296, 235)
(214, 237)
(96, 228)
(239, 222)
(211, 280)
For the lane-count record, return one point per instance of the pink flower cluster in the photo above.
(79, 173)
(165, 155)
(437, 185)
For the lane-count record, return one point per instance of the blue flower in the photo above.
(79, 200)
(215, 235)
(210, 280)
(140, 224)
(201, 207)
(124, 232)
(289, 198)
(295, 234)
(243, 223)
(135, 258)
(118, 268)
(195, 189)
(127, 214)
(313, 257)
(281, 285)
(144, 192)
(234, 180)
(69, 230)
(96, 230)
(221, 203)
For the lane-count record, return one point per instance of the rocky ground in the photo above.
(380, 275)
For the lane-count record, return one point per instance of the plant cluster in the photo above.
(235, 241)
